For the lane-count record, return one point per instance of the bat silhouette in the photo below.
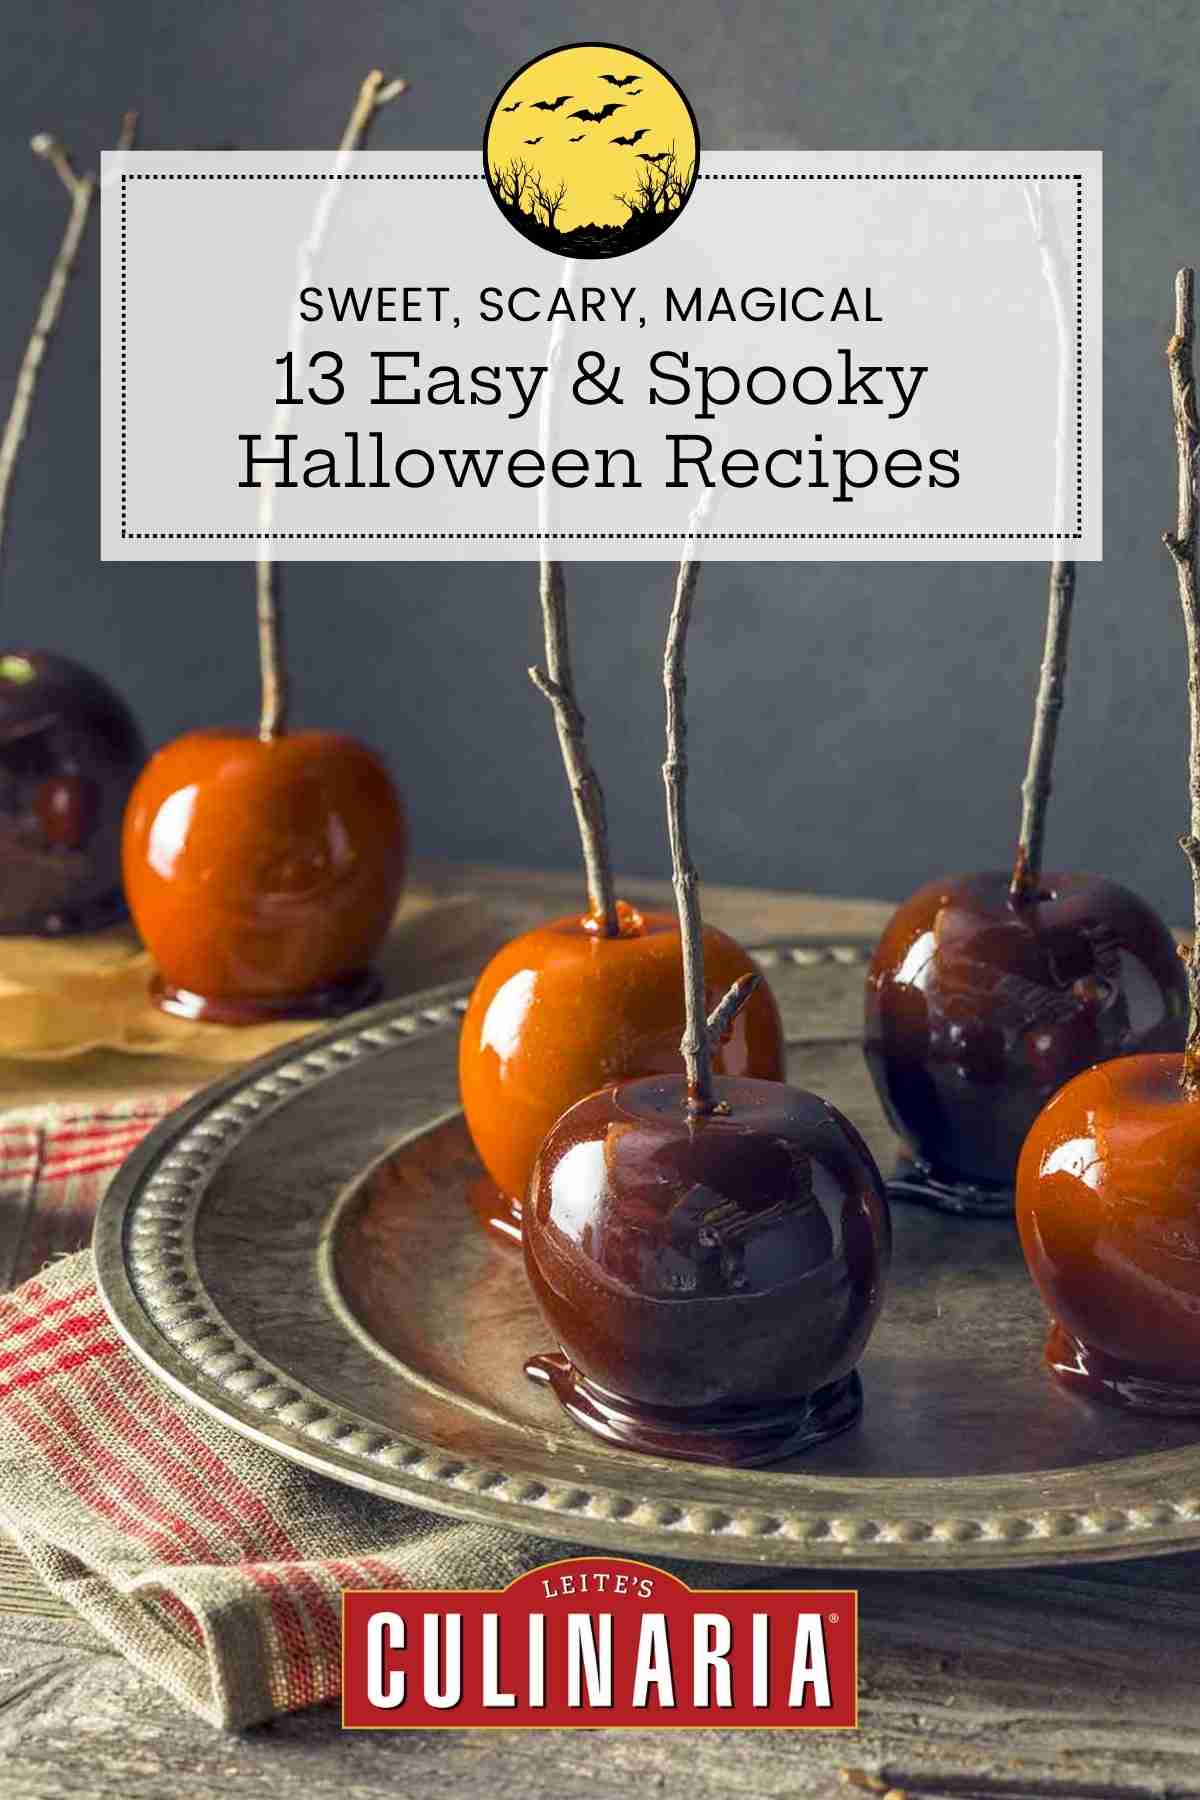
(643, 131)
(511, 108)
(598, 118)
(620, 80)
(644, 156)
(577, 140)
(536, 140)
(551, 105)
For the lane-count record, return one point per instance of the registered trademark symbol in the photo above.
(834, 1618)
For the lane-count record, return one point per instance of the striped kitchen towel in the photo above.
(211, 1563)
(216, 1566)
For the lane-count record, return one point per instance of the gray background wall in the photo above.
(855, 729)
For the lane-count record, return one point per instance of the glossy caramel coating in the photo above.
(979, 1007)
(1108, 1207)
(563, 1009)
(69, 755)
(711, 1282)
(263, 876)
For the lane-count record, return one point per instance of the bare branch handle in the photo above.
(374, 93)
(557, 680)
(720, 1019)
(695, 1046)
(1181, 543)
(558, 685)
(80, 188)
(1036, 788)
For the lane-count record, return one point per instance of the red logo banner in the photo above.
(599, 1640)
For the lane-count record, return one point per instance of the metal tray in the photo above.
(296, 1252)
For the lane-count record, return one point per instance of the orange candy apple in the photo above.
(564, 1010)
(1108, 1185)
(263, 874)
(1108, 1206)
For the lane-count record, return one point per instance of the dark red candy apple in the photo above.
(711, 1279)
(1108, 1206)
(263, 873)
(980, 1006)
(69, 755)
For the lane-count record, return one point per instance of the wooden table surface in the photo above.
(1050, 1686)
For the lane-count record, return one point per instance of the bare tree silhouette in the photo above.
(533, 203)
(677, 183)
(513, 183)
(547, 201)
(662, 187)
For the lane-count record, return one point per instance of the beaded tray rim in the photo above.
(152, 1289)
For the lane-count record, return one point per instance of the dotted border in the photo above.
(558, 537)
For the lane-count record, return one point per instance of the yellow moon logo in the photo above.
(591, 150)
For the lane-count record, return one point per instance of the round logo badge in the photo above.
(591, 150)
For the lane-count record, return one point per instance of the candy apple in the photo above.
(586, 999)
(711, 1279)
(980, 1004)
(564, 1009)
(69, 748)
(262, 873)
(988, 991)
(709, 1251)
(1108, 1189)
(69, 755)
(1108, 1206)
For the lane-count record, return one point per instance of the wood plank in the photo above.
(1050, 1687)
(1060, 1686)
(21, 1590)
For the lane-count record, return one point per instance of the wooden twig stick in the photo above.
(80, 188)
(695, 1045)
(557, 681)
(374, 93)
(47, 146)
(1038, 783)
(1182, 544)
(721, 1018)
(272, 663)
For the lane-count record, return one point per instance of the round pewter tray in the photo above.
(295, 1251)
